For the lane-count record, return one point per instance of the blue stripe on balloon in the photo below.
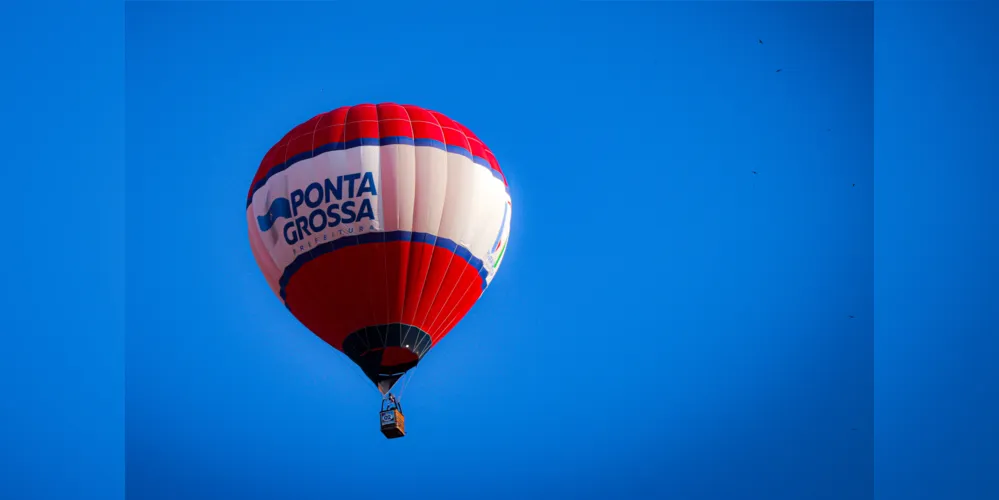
(383, 237)
(384, 141)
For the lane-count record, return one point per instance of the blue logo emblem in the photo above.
(279, 209)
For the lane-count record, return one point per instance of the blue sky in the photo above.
(664, 315)
(666, 323)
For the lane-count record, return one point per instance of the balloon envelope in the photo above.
(379, 226)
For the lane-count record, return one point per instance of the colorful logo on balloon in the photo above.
(322, 205)
(500, 244)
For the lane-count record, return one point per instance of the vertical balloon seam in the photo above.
(412, 227)
(344, 132)
(432, 234)
(312, 143)
(384, 246)
(457, 310)
(352, 118)
(308, 299)
(434, 337)
(457, 306)
(436, 305)
(371, 309)
(440, 305)
(425, 249)
(441, 322)
(433, 324)
(402, 279)
(381, 248)
(430, 244)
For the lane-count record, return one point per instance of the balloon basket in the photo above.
(393, 423)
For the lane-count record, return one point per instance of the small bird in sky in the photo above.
(761, 41)
(778, 71)
(851, 317)
(853, 185)
(754, 172)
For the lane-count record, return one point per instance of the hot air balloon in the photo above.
(379, 226)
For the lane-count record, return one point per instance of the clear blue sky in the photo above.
(672, 324)
(664, 317)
